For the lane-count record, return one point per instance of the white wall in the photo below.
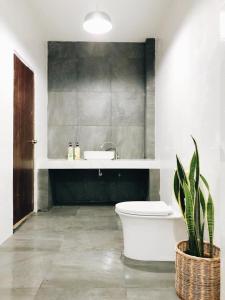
(19, 34)
(222, 130)
(188, 99)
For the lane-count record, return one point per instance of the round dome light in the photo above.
(97, 22)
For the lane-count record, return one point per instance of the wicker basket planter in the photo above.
(197, 278)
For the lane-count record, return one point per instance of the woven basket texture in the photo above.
(197, 278)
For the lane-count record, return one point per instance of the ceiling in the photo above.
(133, 20)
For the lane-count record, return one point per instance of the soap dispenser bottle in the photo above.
(77, 151)
(70, 151)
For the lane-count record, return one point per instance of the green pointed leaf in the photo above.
(197, 165)
(197, 218)
(189, 217)
(204, 181)
(202, 202)
(180, 171)
(182, 200)
(202, 225)
(176, 186)
(192, 174)
(192, 167)
(210, 220)
(178, 191)
(202, 230)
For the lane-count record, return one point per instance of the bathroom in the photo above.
(97, 217)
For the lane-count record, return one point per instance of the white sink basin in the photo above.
(104, 155)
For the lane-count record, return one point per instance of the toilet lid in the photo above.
(144, 208)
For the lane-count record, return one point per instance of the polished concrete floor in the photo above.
(75, 253)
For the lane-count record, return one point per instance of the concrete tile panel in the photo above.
(127, 50)
(93, 74)
(17, 293)
(92, 49)
(58, 50)
(94, 108)
(151, 293)
(62, 74)
(129, 141)
(127, 75)
(92, 137)
(58, 139)
(63, 108)
(128, 109)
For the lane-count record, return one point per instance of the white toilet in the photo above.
(151, 230)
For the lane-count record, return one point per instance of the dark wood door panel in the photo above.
(23, 149)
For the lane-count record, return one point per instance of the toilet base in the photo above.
(151, 238)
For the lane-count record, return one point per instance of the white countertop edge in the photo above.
(98, 164)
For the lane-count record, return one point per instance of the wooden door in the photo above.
(23, 148)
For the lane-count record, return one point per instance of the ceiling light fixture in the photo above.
(97, 22)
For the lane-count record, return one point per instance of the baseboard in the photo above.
(22, 220)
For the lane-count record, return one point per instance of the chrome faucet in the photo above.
(110, 148)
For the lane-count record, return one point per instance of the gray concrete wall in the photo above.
(154, 185)
(44, 191)
(150, 98)
(97, 93)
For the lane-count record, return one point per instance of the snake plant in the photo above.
(194, 198)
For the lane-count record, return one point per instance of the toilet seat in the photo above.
(144, 208)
